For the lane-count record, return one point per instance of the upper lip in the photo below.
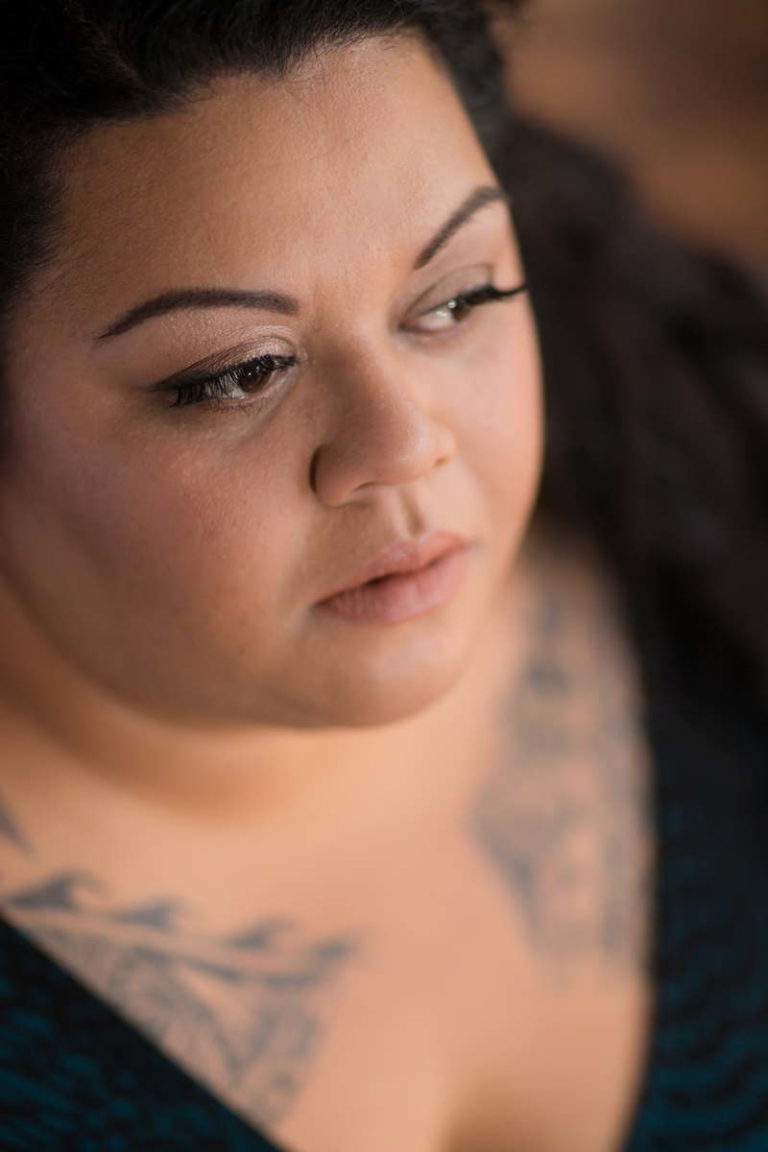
(404, 556)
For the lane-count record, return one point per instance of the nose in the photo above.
(384, 427)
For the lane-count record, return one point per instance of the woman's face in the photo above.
(176, 553)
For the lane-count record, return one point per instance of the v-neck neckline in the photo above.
(250, 1131)
(247, 1129)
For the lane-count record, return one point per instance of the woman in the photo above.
(449, 862)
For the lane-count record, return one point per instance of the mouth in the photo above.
(404, 557)
(395, 597)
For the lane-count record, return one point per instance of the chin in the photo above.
(379, 709)
(376, 696)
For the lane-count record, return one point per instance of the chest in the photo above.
(452, 995)
(457, 1030)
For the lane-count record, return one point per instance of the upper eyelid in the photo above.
(446, 297)
(485, 273)
(219, 364)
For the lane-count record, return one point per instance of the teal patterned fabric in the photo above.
(75, 1076)
(706, 1081)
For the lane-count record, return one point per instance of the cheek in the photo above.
(212, 535)
(194, 535)
(506, 424)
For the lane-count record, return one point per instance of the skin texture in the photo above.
(261, 835)
(174, 557)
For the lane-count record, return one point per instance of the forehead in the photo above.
(361, 150)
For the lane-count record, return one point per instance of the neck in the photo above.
(71, 741)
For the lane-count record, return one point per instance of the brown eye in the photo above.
(459, 308)
(248, 378)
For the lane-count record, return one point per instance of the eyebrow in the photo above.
(269, 301)
(476, 200)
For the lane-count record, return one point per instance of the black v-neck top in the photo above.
(75, 1075)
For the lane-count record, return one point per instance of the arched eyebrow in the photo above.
(176, 299)
(488, 194)
(269, 301)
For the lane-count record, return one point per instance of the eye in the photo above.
(244, 382)
(455, 311)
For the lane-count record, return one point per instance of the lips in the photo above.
(404, 556)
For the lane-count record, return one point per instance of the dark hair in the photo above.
(656, 369)
(654, 355)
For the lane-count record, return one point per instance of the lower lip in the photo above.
(401, 597)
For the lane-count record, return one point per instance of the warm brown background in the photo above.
(677, 88)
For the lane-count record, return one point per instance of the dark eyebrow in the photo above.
(199, 298)
(488, 194)
(276, 301)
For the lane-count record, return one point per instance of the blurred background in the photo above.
(676, 89)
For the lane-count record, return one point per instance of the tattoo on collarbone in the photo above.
(564, 814)
(241, 1012)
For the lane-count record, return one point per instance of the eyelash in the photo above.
(214, 389)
